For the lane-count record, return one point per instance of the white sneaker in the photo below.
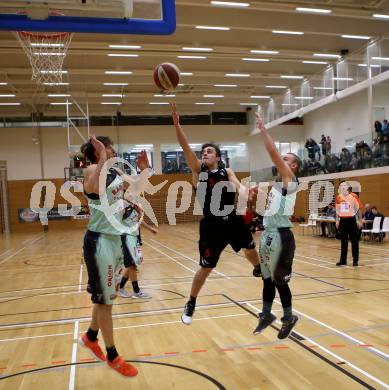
(141, 295)
(123, 293)
(187, 315)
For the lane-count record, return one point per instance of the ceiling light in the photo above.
(256, 59)
(197, 49)
(213, 96)
(116, 84)
(204, 104)
(186, 74)
(259, 97)
(51, 84)
(292, 77)
(117, 72)
(315, 62)
(304, 98)
(230, 4)
(7, 95)
(160, 95)
(159, 103)
(276, 86)
(112, 103)
(342, 78)
(323, 88)
(326, 55)
(287, 32)
(380, 16)
(3, 83)
(289, 104)
(122, 55)
(125, 47)
(47, 44)
(381, 58)
(192, 57)
(42, 53)
(61, 104)
(119, 95)
(264, 51)
(181, 85)
(10, 104)
(372, 65)
(58, 95)
(53, 71)
(355, 36)
(237, 74)
(225, 85)
(248, 104)
(313, 10)
(213, 28)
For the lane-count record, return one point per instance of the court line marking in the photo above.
(6, 252)
(187, 257)
(21, 249)
(340, 333)
(356, 368)
(171, 258)
(74, 357)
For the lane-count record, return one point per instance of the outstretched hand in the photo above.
(98, 145)
(142, 161)
(175, 115)
(259, 121)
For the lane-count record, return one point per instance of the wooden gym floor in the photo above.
(340, 342)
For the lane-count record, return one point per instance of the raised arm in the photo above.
(280, 164)
(191, 158)
(92, 174)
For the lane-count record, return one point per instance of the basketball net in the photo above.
(46, 52)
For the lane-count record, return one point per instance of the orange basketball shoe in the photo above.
(122, 367)
(92, 346)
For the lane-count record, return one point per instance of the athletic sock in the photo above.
(123, 282)
(135, 287)
(287, 312)
(111, 353)
(266, 308)
(92, 334)
(192, 300)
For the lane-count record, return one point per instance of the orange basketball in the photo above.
(166, 76)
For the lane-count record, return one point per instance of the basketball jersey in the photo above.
(107, 222)
(280, 205)
(131, 218)
(212, 178)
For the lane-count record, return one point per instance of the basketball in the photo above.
(166, 76)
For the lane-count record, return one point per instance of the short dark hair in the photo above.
(297, 160)
(212, 145)
(88, 150)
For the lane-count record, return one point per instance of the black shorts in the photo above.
(131, 251)
(217, 232)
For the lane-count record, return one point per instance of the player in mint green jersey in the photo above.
(104, 190)
(277, 245)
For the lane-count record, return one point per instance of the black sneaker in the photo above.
(287, 326)
(340, 263)
(187, 315)
(264, 322)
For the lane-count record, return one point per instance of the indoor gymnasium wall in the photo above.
(341, 120)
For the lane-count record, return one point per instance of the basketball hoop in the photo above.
(46, 52)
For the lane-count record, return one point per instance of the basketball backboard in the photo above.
(152, 17)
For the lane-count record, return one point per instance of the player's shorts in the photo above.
(217, 232)
(104, 260)
(276, 249)
(132, 251)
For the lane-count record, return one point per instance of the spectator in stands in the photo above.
(323, 143)
(385, 128)
(330, 213)
(345, 158)
(355, 161)
(385, 151)
(378, 127)
(329, 144)
(312, 148)
(366, 158)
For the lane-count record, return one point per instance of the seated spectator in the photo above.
(354, 162)
(378, 127)
(329, 144)
(330, 213)
(385, 128)
(376, 213)
(367, 217)
(345, 158)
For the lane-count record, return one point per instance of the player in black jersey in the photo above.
(215, 188)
